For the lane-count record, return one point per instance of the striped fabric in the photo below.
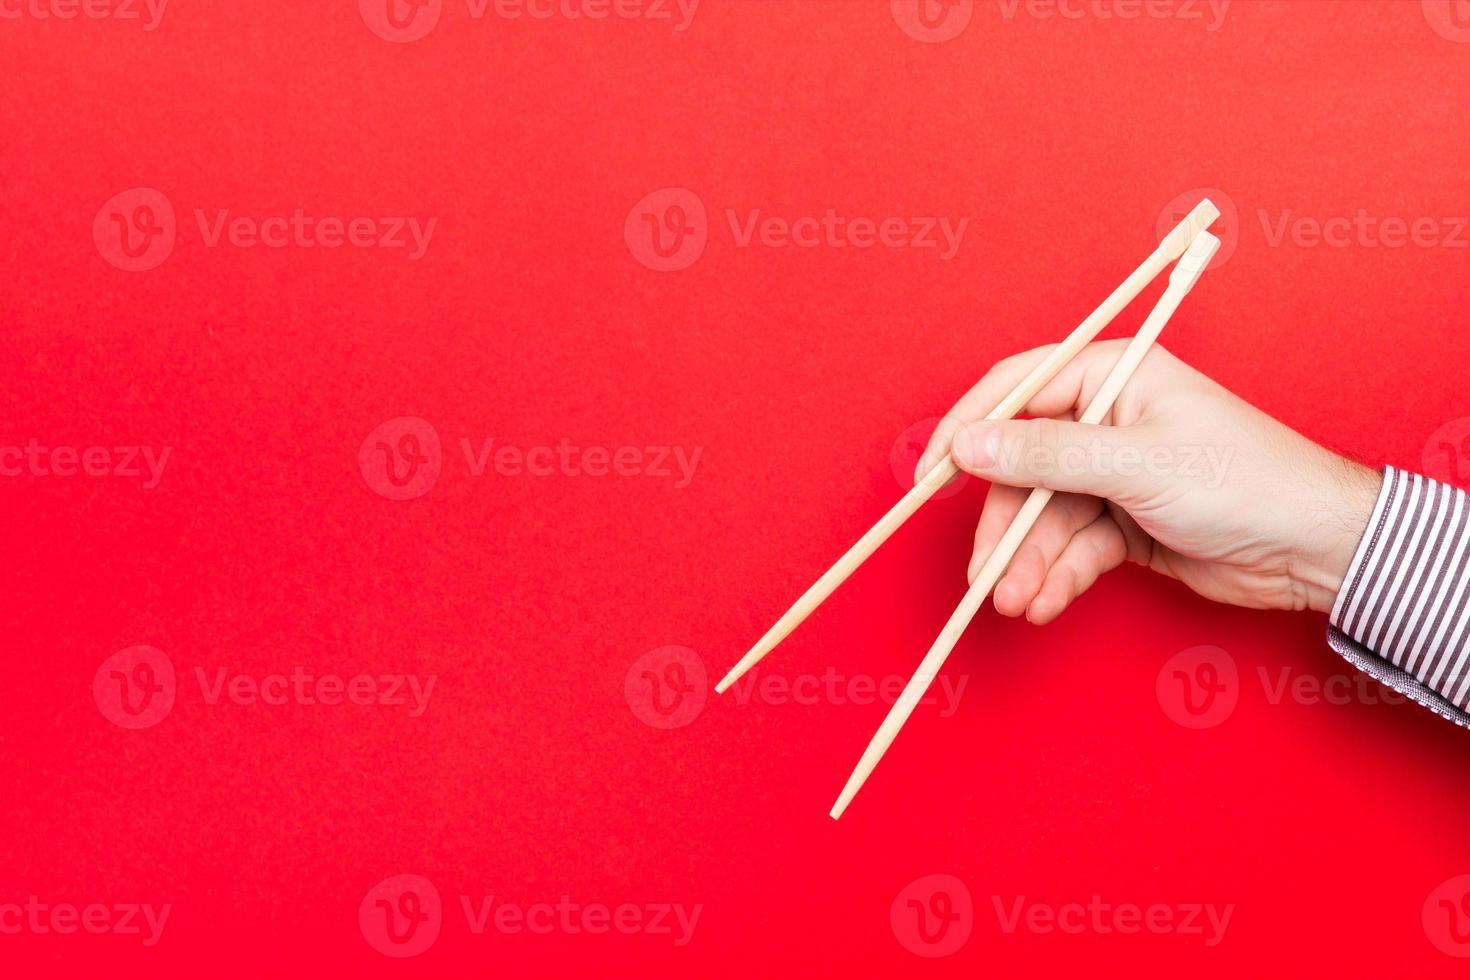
(1406, 597)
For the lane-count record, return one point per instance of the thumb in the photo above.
(1069, 457)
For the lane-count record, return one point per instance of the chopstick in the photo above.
(1181, 280)
(1170, 248)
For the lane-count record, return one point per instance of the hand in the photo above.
(1183, 477)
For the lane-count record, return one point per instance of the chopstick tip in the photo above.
(848, 792)
(738, 671)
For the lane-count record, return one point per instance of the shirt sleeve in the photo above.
(1403, 613)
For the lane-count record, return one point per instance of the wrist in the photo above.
(1336, 524)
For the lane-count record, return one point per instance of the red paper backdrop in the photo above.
(1061, 133)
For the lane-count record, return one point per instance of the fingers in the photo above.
(1001, 506)
(1072, 386)
(977, 402)
(1064, 516)
(1097, 548)
(1139, 546)
(1065, 456)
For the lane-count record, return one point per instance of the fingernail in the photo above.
(926, 463)
(975, 446)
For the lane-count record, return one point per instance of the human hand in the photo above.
(1183, 477)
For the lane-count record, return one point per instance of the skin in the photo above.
(1182, 476)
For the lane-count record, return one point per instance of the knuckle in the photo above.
(947, 426)
(1044, 434)
(1016, 362)
(1034, 453)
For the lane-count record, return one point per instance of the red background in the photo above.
(528, 320)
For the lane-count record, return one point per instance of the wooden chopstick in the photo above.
(1181, 280)
(1170, 248)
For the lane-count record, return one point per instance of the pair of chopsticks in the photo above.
(1188, 243)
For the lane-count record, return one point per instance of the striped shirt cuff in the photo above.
(1406, 597)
